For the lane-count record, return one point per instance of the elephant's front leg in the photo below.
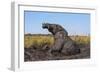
(57, 47)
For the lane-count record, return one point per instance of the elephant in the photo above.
(62, 42)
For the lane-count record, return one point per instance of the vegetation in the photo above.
(41, 40)
(37, 40)
(81, 40)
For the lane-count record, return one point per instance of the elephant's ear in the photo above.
(59, 28)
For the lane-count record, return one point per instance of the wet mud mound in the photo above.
(35, 54)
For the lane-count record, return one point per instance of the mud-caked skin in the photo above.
(62, 42)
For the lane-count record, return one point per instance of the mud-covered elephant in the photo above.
(62, 42)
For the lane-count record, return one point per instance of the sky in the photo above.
(74, 23)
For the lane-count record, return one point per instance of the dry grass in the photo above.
(81, 40)
(40, 40)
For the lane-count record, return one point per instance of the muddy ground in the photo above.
(35, 54)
